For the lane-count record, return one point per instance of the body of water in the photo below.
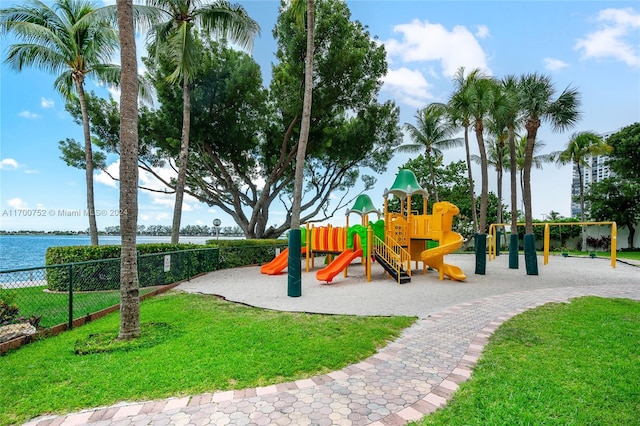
(27, 251)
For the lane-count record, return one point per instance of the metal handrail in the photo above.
(393, 254)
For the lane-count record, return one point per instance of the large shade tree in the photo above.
(70, 40)
(174, 39)
(538, 105)
(580, 148)
(432, 133)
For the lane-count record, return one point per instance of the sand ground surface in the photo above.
(423, 296)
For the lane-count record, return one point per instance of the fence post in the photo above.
(70, 325)
(189, 266)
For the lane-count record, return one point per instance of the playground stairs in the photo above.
(396, 271)
(393, 258)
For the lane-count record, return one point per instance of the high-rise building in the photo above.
(596, 171)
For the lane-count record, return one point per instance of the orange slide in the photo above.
(338, 265)
(281, 261)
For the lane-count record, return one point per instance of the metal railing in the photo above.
(393, 254)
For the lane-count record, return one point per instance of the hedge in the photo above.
(236, 253)
(97, 268)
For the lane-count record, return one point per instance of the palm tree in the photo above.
(537, 104)
(299, 12)
(483, 95)
(68, 39)
(459, 110)
(129, 299)
(581, 147)
(510, 120)
(432, 133)
(174, 38)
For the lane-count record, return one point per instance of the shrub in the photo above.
(97, 268)
(9, 311)
(236, 253)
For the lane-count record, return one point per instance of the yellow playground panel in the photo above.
(394, 241)
(547, 236)
(407, 232)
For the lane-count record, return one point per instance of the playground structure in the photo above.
(546, 238)
(394, 242)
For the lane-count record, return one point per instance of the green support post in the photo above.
(480, 248)
(530, 258)
(294, 288)
(498, 234)
(513, 251)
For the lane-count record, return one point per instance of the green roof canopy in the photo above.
(405, 184)
(363, 206)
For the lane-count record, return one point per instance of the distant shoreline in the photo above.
(101, 234)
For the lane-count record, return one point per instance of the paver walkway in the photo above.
(407, 379)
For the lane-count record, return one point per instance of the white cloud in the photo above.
(408, 86)
(46, 103)
(161, 195)
(616, 37)
(423, 41)
(554, 64)
(8, 164)
(103, 178)
(17, 203)
(482, 31)
(28, 115)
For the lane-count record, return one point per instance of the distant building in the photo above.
(597, 171)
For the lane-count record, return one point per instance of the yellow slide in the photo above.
(450, 242)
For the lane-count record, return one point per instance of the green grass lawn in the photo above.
(191, 344)
(559, 364)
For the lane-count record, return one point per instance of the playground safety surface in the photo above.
(407, 379)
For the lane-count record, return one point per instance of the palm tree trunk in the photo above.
(485, 179)
(513, 165)
(526, 196)
(129, 294)
(474, 214)
(433, 178)
(582, 217)
(182, 167)
(306, 120)
(88, 152)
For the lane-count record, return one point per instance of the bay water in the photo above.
(28, 251)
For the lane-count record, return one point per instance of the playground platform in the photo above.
(405, 380)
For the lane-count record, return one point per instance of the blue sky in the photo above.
(591, 45)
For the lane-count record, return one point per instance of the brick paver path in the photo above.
(407, 379)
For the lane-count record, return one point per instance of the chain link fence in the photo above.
(53, 298)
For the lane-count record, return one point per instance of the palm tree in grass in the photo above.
(537, 103)
(581, 147)
(174, 38)
(68, 39)
(129, 296)
(432, 133)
